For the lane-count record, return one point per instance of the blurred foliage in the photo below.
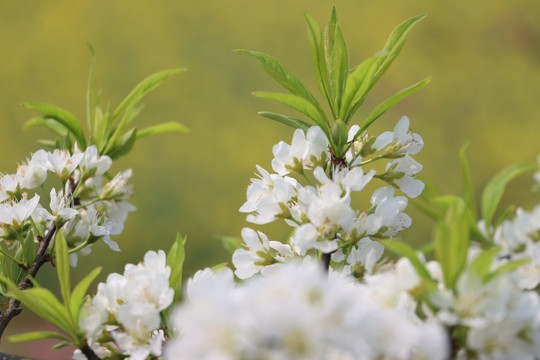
(483, 57)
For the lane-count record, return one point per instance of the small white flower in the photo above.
(118, 186)
(92, 160)
(266, 195)
(303, 151)
(407, 166)
(59, 161)
(16, 213)
(405, 142)
(59, 206)
(261, 254)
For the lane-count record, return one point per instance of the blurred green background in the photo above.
(484, 59)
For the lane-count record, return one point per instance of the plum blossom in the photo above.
(305, 151)
(268, 196)
(92, 161)
(401, 171)
(329, 212)
(261, 254)
(60, 208)
(402, 141)
(16, 213)
(60, 161)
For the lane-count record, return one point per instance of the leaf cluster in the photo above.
(111, 130)
(344, 89)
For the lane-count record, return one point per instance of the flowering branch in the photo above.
(41, 258)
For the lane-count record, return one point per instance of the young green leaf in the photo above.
(287, 120)
(175, 260)
(338, 66)
(64, 117)
(79, 293)
(298, 104)
(145, 86)
(62, 266)
(319, 62)
(167, 127)
(394, 44)
(38, 335)
(44, 304)
(123, 146)
(231, 243)
(282, 75)
(452, 241)
(403, 249)
(495, 188)
(482, 263)
(505, 214)
(52, 125)
(506, 268)
(357, 87)
(29, 252)
(391, 101)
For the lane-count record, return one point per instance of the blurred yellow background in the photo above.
(484, 59)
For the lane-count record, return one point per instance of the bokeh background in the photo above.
(484, 59)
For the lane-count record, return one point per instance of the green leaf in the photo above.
(299, 104)
(79, 293)
(123, 146)
(403, 249)
(482, 263)
(62, 266)
(145, 86)
(91, 95)
(339, 62)
(37, 335)
(506, 268)
(329, 35)
(452, 241)
(495, 188)
(167, 127)
(357, 87)
(319, 62)
(175, 260)
(468, 183)
(394, 44)
(282, 75)
(54, 126)
(29, 246)
(393, 100)
(505, 214)
(44, 304)
(287, 120)
(64, 117)
(17, 272)
(217, 268)
(231, 243)
(46, 143)
(62, 344)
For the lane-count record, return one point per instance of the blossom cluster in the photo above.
(124, 317)
(298, 312)
(81, 203)
(311, 190)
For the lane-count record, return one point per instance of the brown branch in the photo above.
(89, 353)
